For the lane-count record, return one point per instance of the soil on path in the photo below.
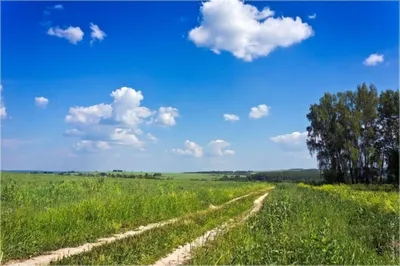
(183, 253)
(69, 251)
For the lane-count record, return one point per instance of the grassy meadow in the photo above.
(43, 213)
(150, 246)
(311, 225)
(298, 223)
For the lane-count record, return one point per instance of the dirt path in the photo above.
(183, 253)
(69, 251)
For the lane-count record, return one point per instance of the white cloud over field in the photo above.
(244, 31)
(215, 148)
(104, 125)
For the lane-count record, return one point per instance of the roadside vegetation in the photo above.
(301, 225)
(39, 216)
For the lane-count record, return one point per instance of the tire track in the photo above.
(183, 253)
(70, 251)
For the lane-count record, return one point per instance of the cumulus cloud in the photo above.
(3, 111)
(231, 117)
(313, 16)
(97, 33)
(191, 149)
(125, 137)
(215, 148)
(374, 59)
(41, 102)
(295, 141)
(151, 137)
(138, 131)
(89, 146)
(117, 123)
(245, 31)
(166, 116)
(126, 107)
(88, 115)
(259, 111)
(72, 34)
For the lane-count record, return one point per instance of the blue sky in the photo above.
(192, 65)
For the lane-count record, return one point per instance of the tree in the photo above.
(355, 135)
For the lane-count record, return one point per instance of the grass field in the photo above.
(42, 213)
(298, 224)
(304, 225)
(147, 248)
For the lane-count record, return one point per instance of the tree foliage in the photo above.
(355, 135)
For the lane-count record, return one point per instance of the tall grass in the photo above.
(37, 218)
(299, 225)
(387, 201)
(150, 246)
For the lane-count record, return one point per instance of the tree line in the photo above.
(355, 136)
(309, 176)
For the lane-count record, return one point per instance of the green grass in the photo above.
(188, 176)
(44, 213)
(299, 225)
(150, 246)
(384, 198)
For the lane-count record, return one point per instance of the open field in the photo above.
(303, 225)
(31, 176)
(152, 245)
(298, 224)
(53, 214)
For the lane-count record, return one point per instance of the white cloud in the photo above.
(313, 16)
(3, 111)
(215, 148)
(231, 117)
(218, 147)
(295, 141)
(126, 107)
(192, 149)
(374, 59)
(72, 34)
(151, 137)
(166, 116)
(41, 102)
(117, 123)
(124, 110)
(88, 115)
(58, 6)
(125, 137)
(138, 131)
(244, 31)
(97, 33)
(73, 132)
(89, 146)
(259, 111)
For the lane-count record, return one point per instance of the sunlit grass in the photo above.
(385, 200)
(46, 215)
(300, 225)
(150, 246)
